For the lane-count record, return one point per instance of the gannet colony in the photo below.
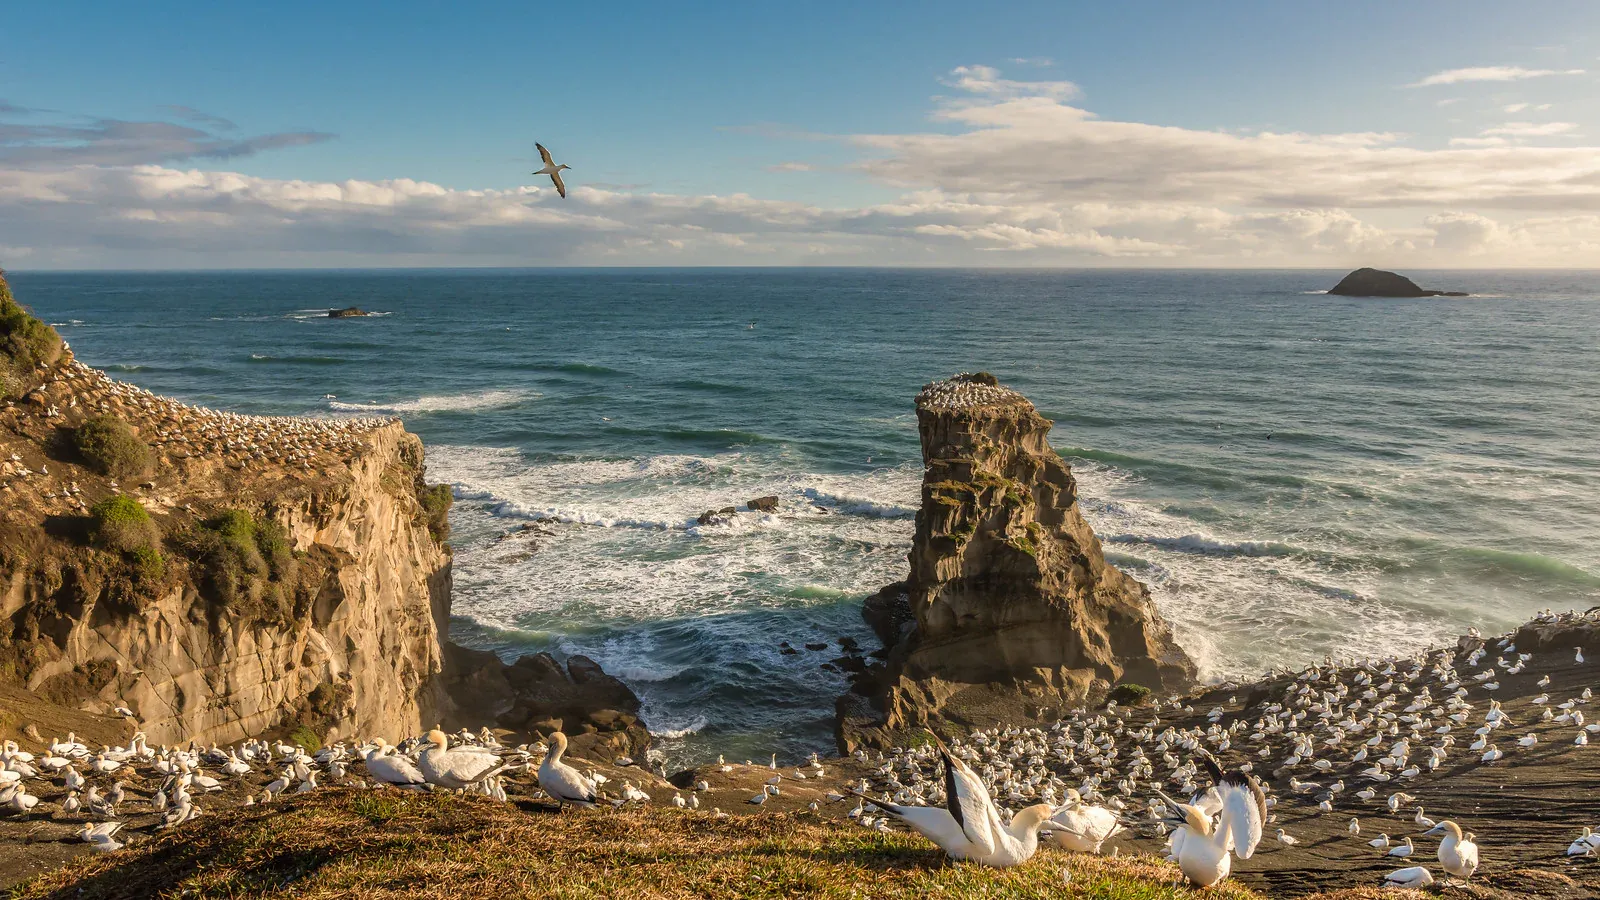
(1389, 770)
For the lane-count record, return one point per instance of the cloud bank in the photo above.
(1011, 174)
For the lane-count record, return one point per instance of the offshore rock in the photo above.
(1378, 283)
(536, 695)
(1010, 610)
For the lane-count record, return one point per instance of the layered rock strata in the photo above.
(1010, 610)
(203, 634)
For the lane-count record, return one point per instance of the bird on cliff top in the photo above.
(1458, 853)
(551, 169)
(461, 767)
(1080, 826)
(968, 826)
(562, 782)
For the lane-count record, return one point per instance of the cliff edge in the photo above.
(1010, 611)
(219, 576)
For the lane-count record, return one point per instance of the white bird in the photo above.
(1355, 826)
(968, 826)
(461, 767)
(553, 170)
(385, 764)
(1414, 877)
(561, 781)
(1458, 854)
(1402, 851)
(1080, 826)
(1287, 839)
(1585, 843)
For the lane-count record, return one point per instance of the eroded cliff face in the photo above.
(1010, 610)
(341, 636)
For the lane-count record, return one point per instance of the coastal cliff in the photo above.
(1010, 611)
(221, 576)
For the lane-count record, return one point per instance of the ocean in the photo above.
(1294, 474)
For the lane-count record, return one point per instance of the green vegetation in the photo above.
(24, 343)
(245, 564)
(1129, 695)
(368, 845)
(121, 524)
(305, 739)
(109, 446)
(436, 500)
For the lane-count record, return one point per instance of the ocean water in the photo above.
(1293, 474)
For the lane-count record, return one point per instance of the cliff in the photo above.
(1010, 611)
(221, 575)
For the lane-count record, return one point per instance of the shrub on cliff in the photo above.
(109, 446)
(436, 500)
(120, 524)
(244, 563)
(1129, 695)
(24, 343)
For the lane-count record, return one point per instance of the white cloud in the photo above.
(1531, 129)
(1514, 107)
(1011, 173)
(1489, 73)
(985, 80)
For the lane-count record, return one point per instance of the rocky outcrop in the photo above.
(296, 575)
(1378, 283)
(537, 695)
(1010, 610)
(349, 312)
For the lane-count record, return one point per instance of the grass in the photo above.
(436, 500)
(389, 844)
(121, 524)
(108, 445)
(24, 343)
(245, 564)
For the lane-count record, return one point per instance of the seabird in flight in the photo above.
(553, 170)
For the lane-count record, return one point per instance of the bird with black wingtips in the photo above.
(553, 170)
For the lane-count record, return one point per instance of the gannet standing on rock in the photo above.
(553, 170)
(561, 781)
(462, 767)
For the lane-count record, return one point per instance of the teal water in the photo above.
(1293, 474)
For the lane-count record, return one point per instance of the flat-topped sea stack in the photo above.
(1378, 283)
(1010, 612)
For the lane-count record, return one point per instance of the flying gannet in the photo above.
(553, 170)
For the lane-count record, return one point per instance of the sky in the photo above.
(1426, 134)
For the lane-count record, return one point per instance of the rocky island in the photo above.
(1010, 612)
(348, 312)
(1378, 283)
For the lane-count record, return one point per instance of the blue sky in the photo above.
(664, 105)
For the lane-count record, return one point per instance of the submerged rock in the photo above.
(1378, 283)
(1010, 610)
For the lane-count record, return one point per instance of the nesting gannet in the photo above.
(1403, 850)
(562, 782)
(385, 764)
(1457, 853)
(461, 767)
(1414, 877)
(968, 826)
(1080, 826)
(551, 169)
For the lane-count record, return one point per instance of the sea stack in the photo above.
(1378, 283)
(1010, 610)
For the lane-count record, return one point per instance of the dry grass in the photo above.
(369, 845)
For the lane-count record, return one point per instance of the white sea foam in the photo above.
(491, 399)
(678, 733)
